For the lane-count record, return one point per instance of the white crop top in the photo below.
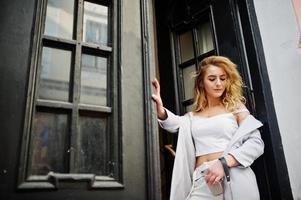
(212, 134)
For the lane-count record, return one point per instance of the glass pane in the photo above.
(95, 23)
(94, 80)
(49, 143)
(205, 38)
(59, 18)
(92, 145)
(188, 73)
(55, 74)
(186, 46)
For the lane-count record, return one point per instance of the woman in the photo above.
(218, 141)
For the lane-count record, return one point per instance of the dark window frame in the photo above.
(182, 27)
(112, 111)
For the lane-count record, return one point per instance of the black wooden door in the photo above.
(60, 104)
(190, 30)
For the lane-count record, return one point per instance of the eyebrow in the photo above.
(223, 75)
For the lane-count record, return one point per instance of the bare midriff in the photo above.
(207, 157)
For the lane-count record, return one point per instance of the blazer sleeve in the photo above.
(171, 123)
(248, 149)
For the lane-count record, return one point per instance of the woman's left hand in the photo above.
(215, 173)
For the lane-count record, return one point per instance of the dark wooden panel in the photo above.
(16, 23)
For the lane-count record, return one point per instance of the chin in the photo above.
(218, 95)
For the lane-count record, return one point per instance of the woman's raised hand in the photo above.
(157, 99)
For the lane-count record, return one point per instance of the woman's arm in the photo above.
(240, 114)
(158, 100)
(171, 123)
(166, 119)
(251, 148)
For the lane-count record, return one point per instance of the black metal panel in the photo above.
(185, 14)
(226, 30)
(163, 41)
(16, 23)
(168, 86)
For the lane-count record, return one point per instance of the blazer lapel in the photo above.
(248, 125)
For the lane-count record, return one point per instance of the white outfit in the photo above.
(245, 146)
(199, 189)
(212, 134)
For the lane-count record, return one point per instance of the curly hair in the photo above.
(232, 97)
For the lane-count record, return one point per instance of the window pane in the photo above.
(186, 46)
(92, 145)
(49, 143)
(94, 80)
(205, 38)
(59, 18)
(188, 81)
(55, 74)
(95, 23)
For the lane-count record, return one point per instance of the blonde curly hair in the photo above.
(232, 97)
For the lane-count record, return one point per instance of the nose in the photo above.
(218, 81)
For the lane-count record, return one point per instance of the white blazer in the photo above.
(246, 146)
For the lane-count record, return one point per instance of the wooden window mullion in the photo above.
(76, 87)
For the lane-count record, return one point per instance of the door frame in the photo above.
(152, 149)
(275, 176)
(276, 167)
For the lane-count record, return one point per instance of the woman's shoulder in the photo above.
(240, 108)
(241, 112)
(188, 114)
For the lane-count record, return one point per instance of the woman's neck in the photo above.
(214, 102)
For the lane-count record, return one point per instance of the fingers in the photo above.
(156, 98)
(217, 179)
(212, 179)
(214, 174)
(156, 86)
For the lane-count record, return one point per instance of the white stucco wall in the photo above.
(279, 33)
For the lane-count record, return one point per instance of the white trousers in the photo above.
(200, 189)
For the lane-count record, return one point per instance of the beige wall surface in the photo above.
(280, 34)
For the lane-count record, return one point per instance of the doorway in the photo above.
(187, 32)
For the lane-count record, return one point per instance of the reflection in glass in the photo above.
(59, 18)
(205, 38)
(188, 73)
(95, 27)
(92, 145)
(55, 74)
(93, 80)
(186, 46)
(49, 143)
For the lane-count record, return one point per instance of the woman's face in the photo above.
(215, 80)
